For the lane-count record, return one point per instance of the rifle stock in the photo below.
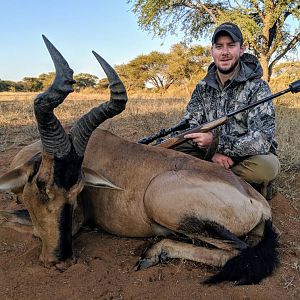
(169, 143)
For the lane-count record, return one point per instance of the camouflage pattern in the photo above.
(248, 133)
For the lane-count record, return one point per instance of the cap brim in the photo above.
(233, 36)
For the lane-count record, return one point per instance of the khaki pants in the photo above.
(258, 170)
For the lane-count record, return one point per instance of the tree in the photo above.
(147, 70)
(130, 74)
(266, 25)
(11, 86)
(85, 80)
(5, 85)
(31, 84)
(285, 73)
(103, 84)
(187, 64)
(154, 69)
(46, 79)
(289, 69)
(161, 70)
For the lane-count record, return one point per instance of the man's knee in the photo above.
(258, 169)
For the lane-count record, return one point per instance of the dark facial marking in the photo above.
(67, 170)
(64, 249)
(42, 188)
(37, 159)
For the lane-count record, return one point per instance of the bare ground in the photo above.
(104, 266)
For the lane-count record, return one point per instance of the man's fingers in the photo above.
(192, 135)
(200, 145)
(224, 161)
(197, 135)
(229, 163)
(226, 164)
(202, 139)
(199, 141)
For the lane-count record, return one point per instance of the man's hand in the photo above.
(203, 140)
(223, 160)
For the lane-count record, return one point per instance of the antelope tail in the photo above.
(252, 264)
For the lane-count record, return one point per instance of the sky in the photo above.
(75, 27)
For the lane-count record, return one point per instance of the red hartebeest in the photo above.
(133, 190)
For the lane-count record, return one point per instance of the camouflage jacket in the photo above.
(248, 133)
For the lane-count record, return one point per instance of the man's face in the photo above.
(226, 54)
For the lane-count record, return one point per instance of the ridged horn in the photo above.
(54, 139)
(84, 127)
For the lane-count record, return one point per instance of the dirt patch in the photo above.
(104, 266)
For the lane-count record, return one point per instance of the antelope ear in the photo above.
(91, 178)
(15, 179)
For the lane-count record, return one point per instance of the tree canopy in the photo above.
(161, 70)
(146, 70)
(43, 81)
(285, 73)
(85, 80)
(188, 64)
(32, 84)
(46, 79)
(8, 86)
(266, 25)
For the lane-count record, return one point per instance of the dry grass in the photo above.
(145, 116)
(288, 138)
(24, 96)
(142, 117)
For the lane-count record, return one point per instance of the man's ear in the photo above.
(91, 178)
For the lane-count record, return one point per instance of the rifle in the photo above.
(163, 132)
(178, 139)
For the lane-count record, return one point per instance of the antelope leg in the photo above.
(173, 249)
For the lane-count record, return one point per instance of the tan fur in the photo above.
(157, 180)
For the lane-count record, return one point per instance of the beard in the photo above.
(228, 71)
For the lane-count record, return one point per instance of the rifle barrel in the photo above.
(258, 102)
(163, 132)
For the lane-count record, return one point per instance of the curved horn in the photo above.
(82, 130)
(55, 141)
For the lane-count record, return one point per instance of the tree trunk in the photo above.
(264, 61)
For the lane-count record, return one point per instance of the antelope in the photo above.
(201, 211)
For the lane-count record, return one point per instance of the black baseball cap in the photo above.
(231, 29)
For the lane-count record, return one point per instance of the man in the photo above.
(245, 144)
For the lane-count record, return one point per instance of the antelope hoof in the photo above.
(144, 263)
